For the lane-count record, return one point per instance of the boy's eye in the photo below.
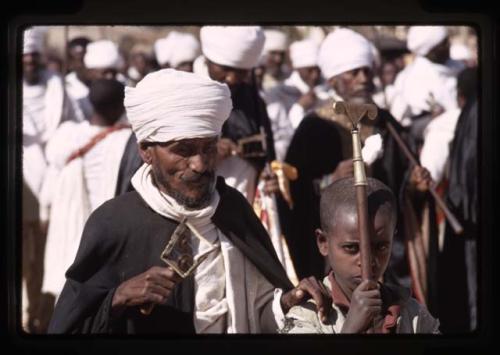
(351, 248)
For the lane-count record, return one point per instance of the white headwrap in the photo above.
(173, 105)
(344, 50)
(102, 54)
(234, 46)
(421, 39)
(275, 41)
(162, 50)
(33, 40)
(200, 66)
(459, 51)
(185, 48)
(304, 53)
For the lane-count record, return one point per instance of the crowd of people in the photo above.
(230, 134)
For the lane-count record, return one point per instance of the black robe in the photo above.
(318, 145)
(125, 237)
(248, 116)
(130, 163)
(457, 302)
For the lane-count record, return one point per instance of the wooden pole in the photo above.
(455, 224)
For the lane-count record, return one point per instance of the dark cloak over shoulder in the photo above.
(317, 147)
(124, 238)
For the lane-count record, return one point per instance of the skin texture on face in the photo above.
(31, 68)
(185, 169)
(310, 75)
(228, 75)
(75, 58)
(274, 62)
(340, 244)
(354, 84)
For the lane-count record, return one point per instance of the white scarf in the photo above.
(211, 306)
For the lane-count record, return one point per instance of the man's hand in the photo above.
(366, 304)
(151, 287)
(225, 148)
(307, 288)
(420, 178)
(344, 169)
(308, 100)
(271, 184)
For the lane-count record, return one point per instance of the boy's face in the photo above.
(341, 246)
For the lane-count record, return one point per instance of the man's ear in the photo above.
(145, 152)
(322, 241)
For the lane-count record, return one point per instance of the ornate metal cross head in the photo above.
(354, 111)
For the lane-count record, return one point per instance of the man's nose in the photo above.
(199, 163)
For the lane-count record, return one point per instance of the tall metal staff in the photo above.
(355, 113)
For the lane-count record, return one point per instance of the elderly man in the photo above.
(45, 106)
(230, 53)
(118, 282)
(321, 148)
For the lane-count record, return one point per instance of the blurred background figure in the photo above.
(177, 51)
(45, 106)
(139, 66)
(275, 47)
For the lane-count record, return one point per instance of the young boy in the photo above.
(359, 306)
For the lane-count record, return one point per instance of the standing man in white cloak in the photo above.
(84, 159)
(428, 86)
(274, 53)
(45, 106)
(118, 284)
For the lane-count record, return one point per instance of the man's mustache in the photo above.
(196, 177)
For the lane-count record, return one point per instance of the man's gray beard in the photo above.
(188, 202)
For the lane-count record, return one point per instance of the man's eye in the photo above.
(382, 247)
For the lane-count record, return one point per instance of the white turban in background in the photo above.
(185, 48)
(459, 51)
(304, 53)
(172, 105)
(344, 50)
(234, 46)
(275, 41)
(200, 66)
(421, 39)
(162, 50)
(33, 40)
(102, 54)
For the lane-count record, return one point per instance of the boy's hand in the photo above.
(307, 288)
(366, 303)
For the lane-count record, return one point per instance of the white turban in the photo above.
(459, 51)
(304, 53)
(102, 54)
(344, 50)
(33, 40)
(275, 41)
(200, 66)
(162, 50)
(185, 48)
(235, 46)
(421, 39)
(173, 105)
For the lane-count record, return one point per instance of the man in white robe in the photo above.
(79, 177)
(274, 52)
(45, 106)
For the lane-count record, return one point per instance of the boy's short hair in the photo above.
(342, 194)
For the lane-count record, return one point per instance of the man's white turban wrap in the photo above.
(275, 41)
(421, 39)
(172, 105)
(344, 50)
(162, 50)
(185, 48)
(33, 40)
(102, 54)
(304, 53)
(234, 46)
